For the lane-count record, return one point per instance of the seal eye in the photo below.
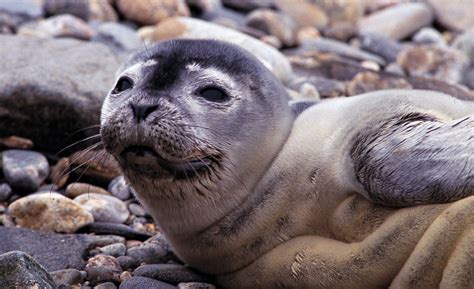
(213, 94)
(123, 84)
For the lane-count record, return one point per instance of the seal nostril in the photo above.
(141, 111)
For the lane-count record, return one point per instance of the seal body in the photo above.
(259, 192)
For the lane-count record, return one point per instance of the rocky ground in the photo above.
(67, 217)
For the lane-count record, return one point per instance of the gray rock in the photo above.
(118, 36)
(137, 210)
(104, 208)
(195, 285)
(169, 273)
(119, 188)
(429, 35)
(380, 45)
(59, 26)
(68, 276)
(107, 285)
(142, 282)
(397, 22)
(102, 228)
(68, 249)
(127, 262)
(326, 87)
(75, 80)
(73, 7)
(19, 270)
(25, 9)
(465, 43)
(248, 5)
(5, 192)
(454, 14)
(154, 251)
(468, 78)
(115, 250)
(24, 170)
(103, 268)
(274, 23)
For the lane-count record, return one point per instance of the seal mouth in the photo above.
(144, 160)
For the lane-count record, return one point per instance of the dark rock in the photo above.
(118, 36)
(68, 249)
(142, 282)
(75, 80)
(19, 270)
(107, 285)
(5, 192)
(169, 273)
(68, 276)
(154, 251)
(455, 14)
(115, 229)
(24, 170)
(127, 262)
(73, 7)
(380, 45)
(468, 79)
(119, 188)
(103, 268)
(76, 189)
(248, 5)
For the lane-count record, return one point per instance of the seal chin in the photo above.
(146, 161)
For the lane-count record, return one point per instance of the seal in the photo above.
(249, 186)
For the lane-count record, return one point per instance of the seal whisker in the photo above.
(78, 142)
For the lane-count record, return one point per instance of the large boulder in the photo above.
(52, 87)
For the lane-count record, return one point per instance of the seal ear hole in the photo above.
(214, 94)
(124, 83)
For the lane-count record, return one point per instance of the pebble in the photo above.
(95, 164)
(371, 81)
(118, 36)
(430, 60)
(326, 87)
(106, 285)
(456, 15)
(304, 13)
(20, 270)
(16, 142)
(397, 22)
(59, 172)
(135, 209)
(24, 9)
(101, 10)
(24, 170)
(103, 268)
(68, 276)
(59, 26)
(169, 273)
(429, 35)
(204, 7)
(49, 212)
(5, 192)
(73, 7)
(274, 23)
(142, 282)
(195, 285)
(306, 33)
(104, 208)
(149, 253)
(152, 11)
(395, 69)
(76, 189)
(115, 229)
(465, 43)
(184, 27)
(114, 250)
(125, 276)
(380, 45)
(248, 5)
(119, 188)
(341, 12)
(468, 78)
(127, 262)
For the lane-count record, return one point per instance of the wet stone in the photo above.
(169, 273)
(49, 212)
(5, 192)
(19, 270)
(104, 208)
(68, 276)
(115, 250)
(103, 268)
(76, 189)
(119, 188)
(24, 170)
(142, 282)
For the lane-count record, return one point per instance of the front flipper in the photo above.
(416, 159)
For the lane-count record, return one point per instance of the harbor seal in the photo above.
(264, 192)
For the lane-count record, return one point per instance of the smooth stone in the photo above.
(169, 273)
(127, 262)
(195, 285)
(59, 174)
(104, 208)
(114, 250)
(380, 45)
(103, 268)
(155, 250)
(118, 36)
(5, 192)
(25, 9)
(430, 60)
(429, 35)
(49, 212)
(456, 15)
(304, 13)
(149, 12)
(97, 165)
(59, 26)
(24, 170)
(468, 78)
(333, 46)
(465, 43)
(372, 81)
(458, 91)
(119, 188)
(68, 276)
(57, 88)
(397, 22)
(125, 231)
(274, 23)
(102, 10)
(77, 8)
(307, 33)
(16, 142)
(107, 285)
(248, 5)
(76, 189)
(19, 270)
(341, 12)
(327, 88)
(137, 210)
(185, 27)
(142, 282)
